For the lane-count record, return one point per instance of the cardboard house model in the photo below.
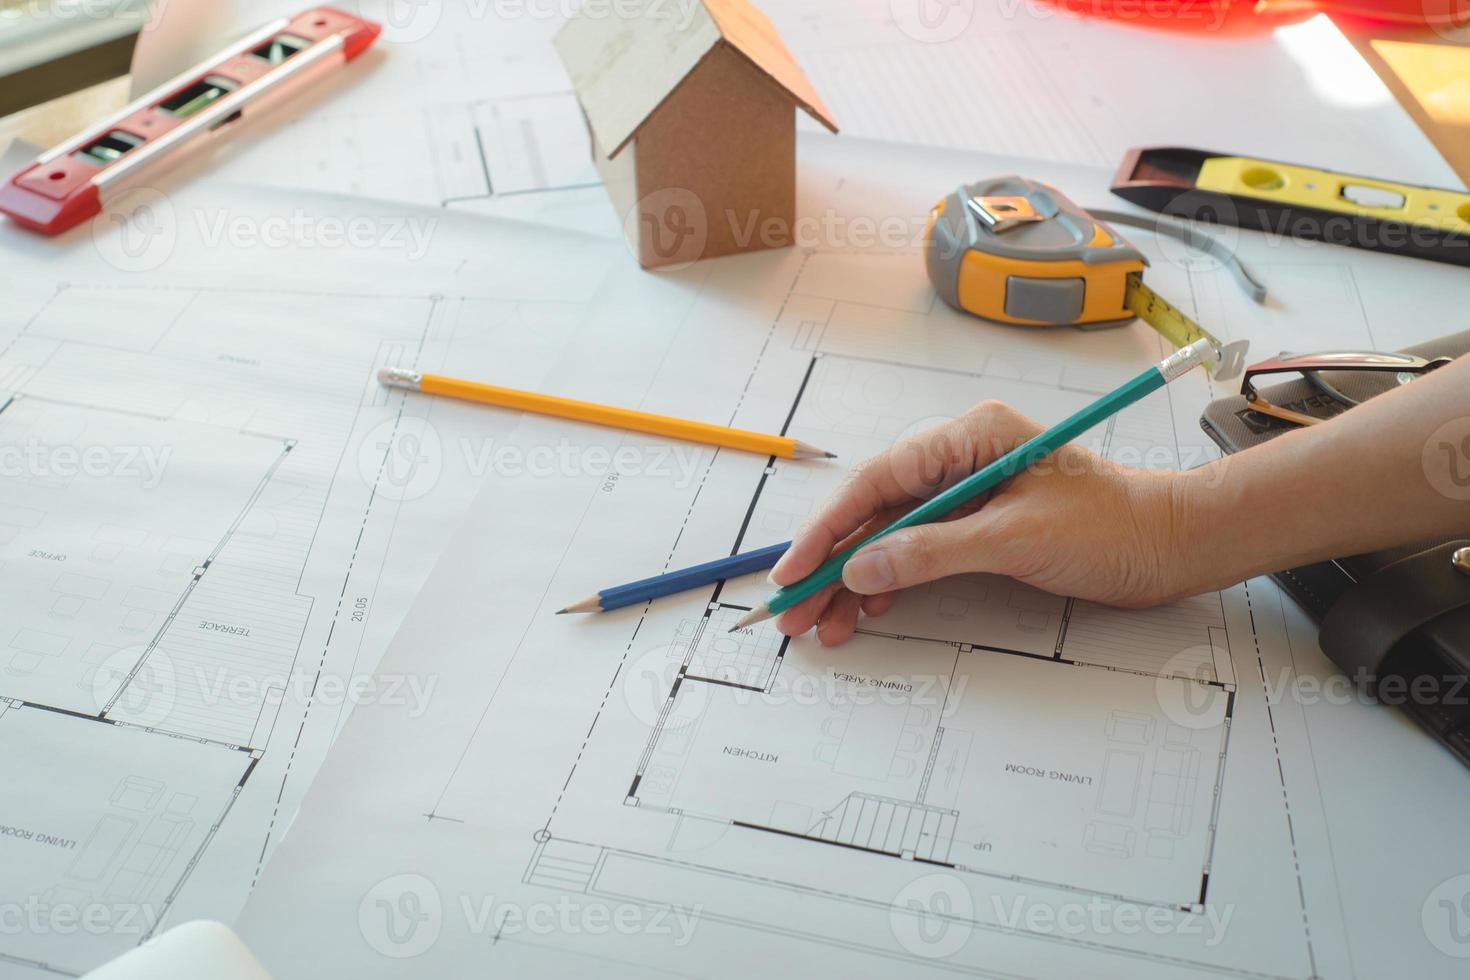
(690, 106)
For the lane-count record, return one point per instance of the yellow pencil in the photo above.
(618, 418)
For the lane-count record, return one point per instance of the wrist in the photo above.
(1198, 554)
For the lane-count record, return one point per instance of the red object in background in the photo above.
(71, 183)
(1433, 13)
(1224, 17)
(1254, 16)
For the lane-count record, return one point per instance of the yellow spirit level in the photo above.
(1016, 250)
(1299, 202)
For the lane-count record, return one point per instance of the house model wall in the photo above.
(691, 109)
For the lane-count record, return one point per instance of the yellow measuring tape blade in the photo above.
(1179, 329)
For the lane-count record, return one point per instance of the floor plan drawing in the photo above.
(116, 581)
(450, 105)
(982, 728)
(981, 757)
(138, 833)
(986, 781)
(128, 556)
(469, 151)
(903, 763)
(197, 514)
(884, 766)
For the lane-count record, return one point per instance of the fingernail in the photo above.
(869, 572)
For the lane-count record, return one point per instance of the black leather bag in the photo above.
(1396, 621)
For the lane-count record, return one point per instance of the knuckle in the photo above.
(992, 411)
(862, 467)
(865, 471)
(989, 408)
(1000, 417)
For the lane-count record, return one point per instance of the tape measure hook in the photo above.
(1230, 360)
(1001, 213)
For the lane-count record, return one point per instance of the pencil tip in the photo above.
(562, 612)
(757, 615)
(805, 450)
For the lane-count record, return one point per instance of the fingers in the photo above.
(877, 605)
(873, 576)
(834, 612)
(914, 469)
(919, 554)
(807, 613)
(877, 493)
(856, 500)
(840, 619)
(804, 615)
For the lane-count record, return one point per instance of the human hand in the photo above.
(1073, 524)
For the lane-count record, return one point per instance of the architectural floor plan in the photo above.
(905, 741)
(213, 520)
(987, 781)
(982, 730)
(209, 528)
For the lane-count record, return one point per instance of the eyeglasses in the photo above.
(1406, 367)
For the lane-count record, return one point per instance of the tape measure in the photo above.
(1016, 250)
(1170, 321)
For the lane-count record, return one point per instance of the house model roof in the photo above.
(624, 67)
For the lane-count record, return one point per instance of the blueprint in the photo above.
(989, 780)
(212, 519)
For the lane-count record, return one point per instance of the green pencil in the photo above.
(1002, 468)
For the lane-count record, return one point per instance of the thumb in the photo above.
(916, 555)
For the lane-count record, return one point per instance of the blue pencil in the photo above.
(687, 578)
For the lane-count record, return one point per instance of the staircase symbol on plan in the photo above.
(894, 827)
